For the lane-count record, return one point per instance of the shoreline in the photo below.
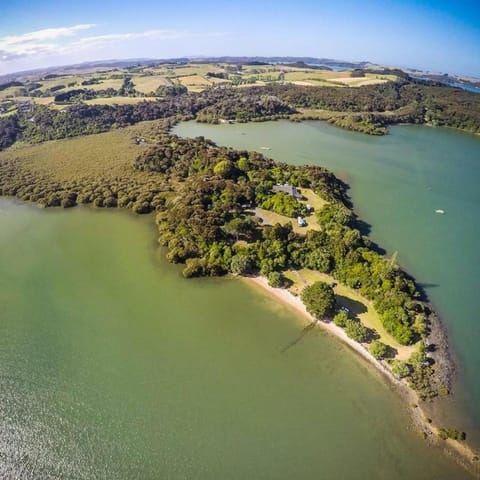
(460, 452)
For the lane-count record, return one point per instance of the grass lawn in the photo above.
(312, 199)
(195, 82)
(63, 80)
(42, 100)
(332, 78)
(147, 84)
(356, 303)
(119, 100)
(114, 83)
(10, 92)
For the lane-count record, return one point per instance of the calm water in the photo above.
(113, 366)
(398, 181)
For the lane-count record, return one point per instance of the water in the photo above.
(398, 181)
(452, 83)
(113, 366)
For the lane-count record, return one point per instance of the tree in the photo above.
(243, 164)
(378, 349)
(276, 279)
(194, 268)
(240, 264)
(238, 227)
(224, 168)
(400, 369)
(171, 90)
(356, 331)
(319, 300)
(420, 324)
(340, 319)
(419, 357)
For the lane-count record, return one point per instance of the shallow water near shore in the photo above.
(114, 366)
(397, 182)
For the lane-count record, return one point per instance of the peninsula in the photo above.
(219, 211)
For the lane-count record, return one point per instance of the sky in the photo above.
(441, 35)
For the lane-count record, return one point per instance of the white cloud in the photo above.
(39, 42)
(102, 40)
(46, 42)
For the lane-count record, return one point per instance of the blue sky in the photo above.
(438, 35)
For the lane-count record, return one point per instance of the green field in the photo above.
(119, 100)
(149, 83)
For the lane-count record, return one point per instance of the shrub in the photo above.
(356, 331)
(400, 369)
(340, 319)
(378, 349)
(452, 433)
(276, 279)
(194, 268)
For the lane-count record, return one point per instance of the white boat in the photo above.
(440, 211)
(265, 148)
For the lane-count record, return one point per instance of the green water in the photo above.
(113, 366)
(397, 182)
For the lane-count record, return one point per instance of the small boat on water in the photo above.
(265, 148)
(440, 211)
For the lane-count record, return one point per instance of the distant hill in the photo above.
(467, 83)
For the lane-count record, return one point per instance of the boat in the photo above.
(440, 211)
(265, 148)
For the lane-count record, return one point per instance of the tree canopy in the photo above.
(319, 300)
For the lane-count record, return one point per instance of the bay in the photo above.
(114, 366)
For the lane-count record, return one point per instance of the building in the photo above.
(25, 106)
(288, 189)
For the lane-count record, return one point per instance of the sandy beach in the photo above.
(296, 303)
(461, 452)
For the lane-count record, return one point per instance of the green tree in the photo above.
(276, 279)
(224, 168)
(239, 227)
(418, 358)
(319, 299)
(194, 268)
(420, 324)
(340, 319)
(378, 349)
(240, 264)
(400, 369)
(356, 331)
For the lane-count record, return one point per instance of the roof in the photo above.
(289, 189)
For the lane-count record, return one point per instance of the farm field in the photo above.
(150, 83)
(119, 100)
(145, 80)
